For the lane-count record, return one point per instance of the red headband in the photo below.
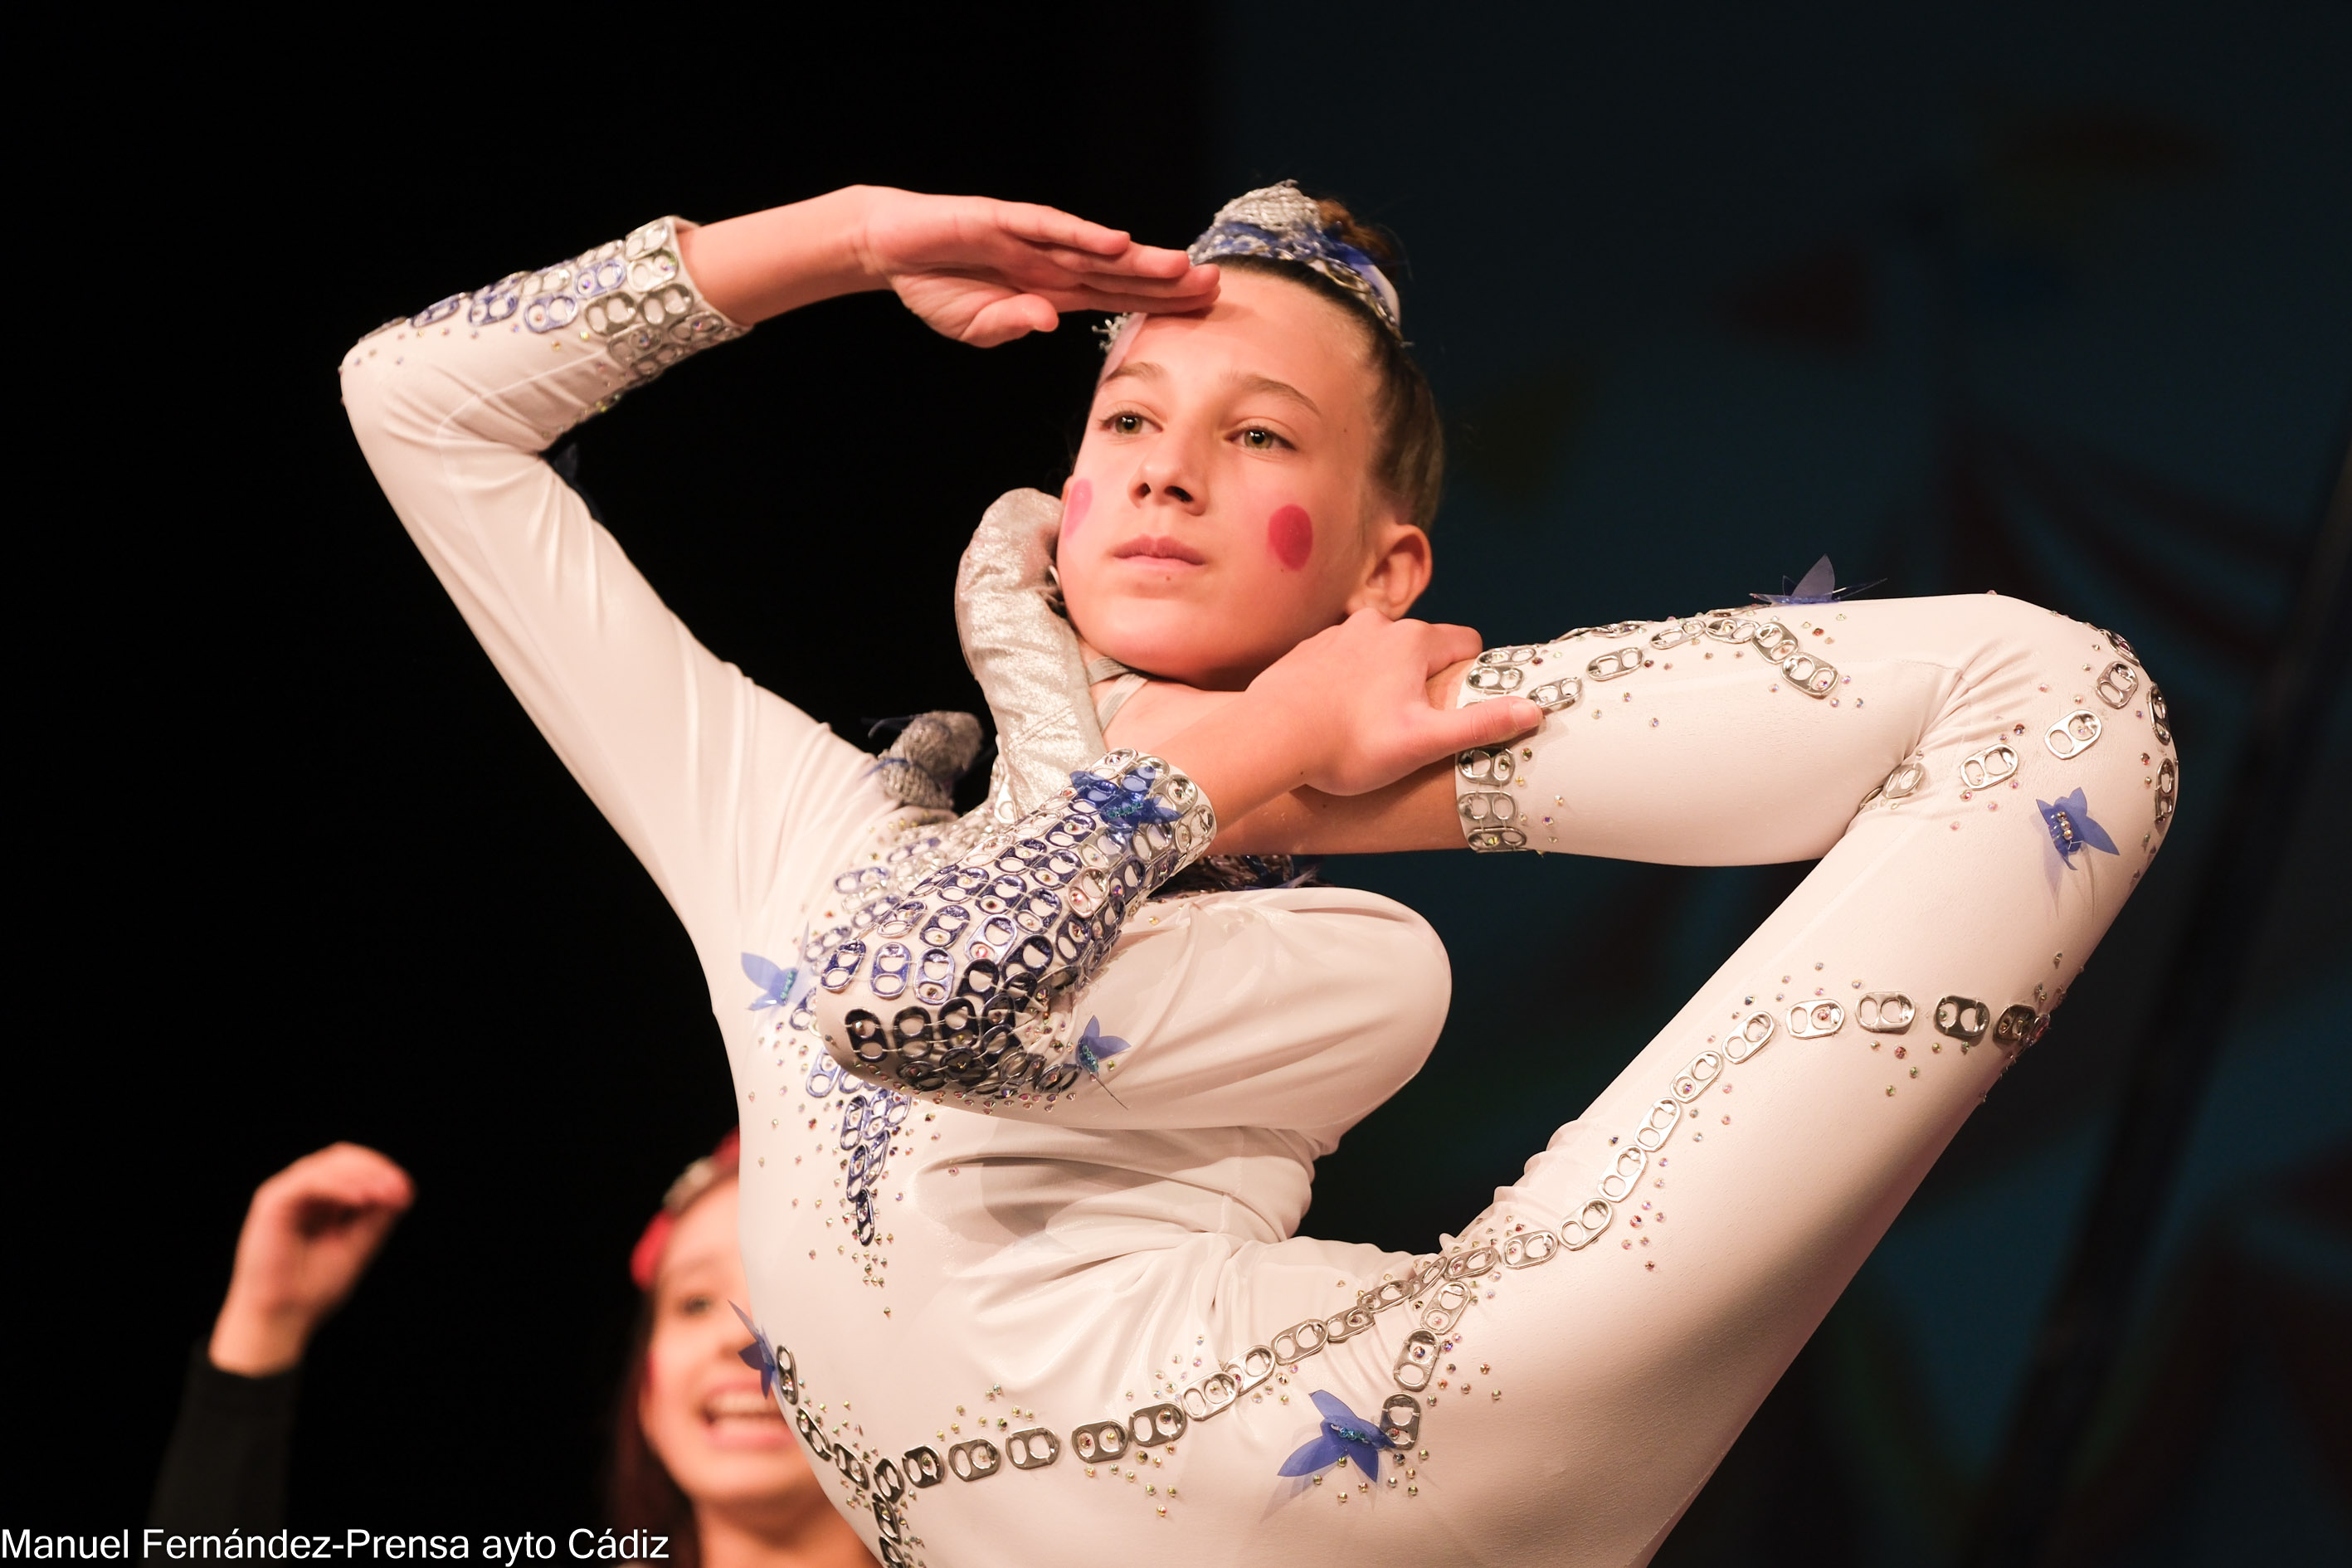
(644, 1259)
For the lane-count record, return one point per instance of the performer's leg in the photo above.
(1658, 1266)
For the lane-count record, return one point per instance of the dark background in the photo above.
(1986, 298)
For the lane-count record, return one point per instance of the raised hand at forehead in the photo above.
(984, 272)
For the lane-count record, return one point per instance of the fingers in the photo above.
(1194, 292)
(1119, 303)
(1001, 320)
(346, 1174)
(1489, 724)
(1446, 645)
(312, 1231)
(366, 1233)
(1141, 266)
(1148, 265)
(1437, 643)
(1097, 248)
(1156, 261)
(1051, 225)
(1068, 274)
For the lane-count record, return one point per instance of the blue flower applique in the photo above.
(1095, 1048)
(1819, 587)
(759, 1355)
(777, 985)
(1123, 806)
(2071, 827)
(1345, 1435)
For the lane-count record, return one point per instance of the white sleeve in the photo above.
(1301, 1008)
(706, 776)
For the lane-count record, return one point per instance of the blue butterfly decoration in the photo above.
(1819, 587)
(1345, 1435)
(1095, 1048)
(2071, 827)
(778, 987)
(1121, 807)
(759, 1355)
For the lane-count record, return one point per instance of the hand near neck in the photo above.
(1416, 812)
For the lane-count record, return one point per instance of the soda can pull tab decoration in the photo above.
(1816, 1020)
(1988, 767)
(1809, 675)
(1416, 1361)
(1099, 1440)
(1900, 784)
(975, 1460)
(1754, 1035)
(2018, 1027)
(1558, 696)
(1492, 765)
(1963, 1017)
(1884, 1013)
(2073, 735)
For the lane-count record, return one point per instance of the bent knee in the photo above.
(2066, 714)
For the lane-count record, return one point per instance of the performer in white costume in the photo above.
(1028, 1128)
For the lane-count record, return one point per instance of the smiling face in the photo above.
(1223, 508)
(699, 1406)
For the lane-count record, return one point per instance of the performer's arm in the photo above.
(925, 1003)
(700, 770)
(1566, 788)
(308, 1236)
(1416, 812)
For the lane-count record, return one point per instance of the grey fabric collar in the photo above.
(1025, 656)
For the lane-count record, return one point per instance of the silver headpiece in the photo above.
(1282, 222)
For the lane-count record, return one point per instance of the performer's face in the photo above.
(701, 1408)
(1223, 508)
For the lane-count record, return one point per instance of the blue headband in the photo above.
(1282, 222)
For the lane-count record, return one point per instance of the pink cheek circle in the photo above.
(1291, 534)
(1074, 509)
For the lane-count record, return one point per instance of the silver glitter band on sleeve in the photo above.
(631, 296)
(1554, 677)
(931, 994)
(1483, 778)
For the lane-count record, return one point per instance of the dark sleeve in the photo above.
(225, 1467)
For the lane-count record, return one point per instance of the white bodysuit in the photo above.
(1043, 1303)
